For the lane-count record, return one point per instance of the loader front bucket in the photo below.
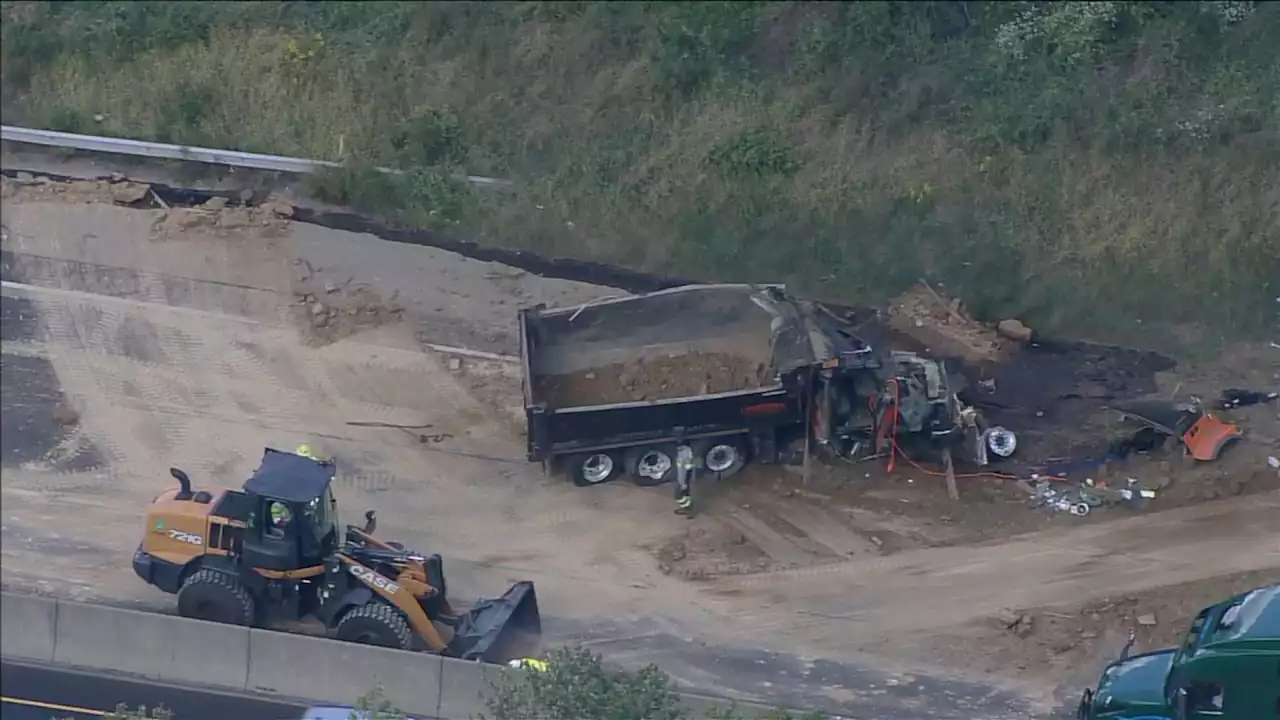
(497, 630)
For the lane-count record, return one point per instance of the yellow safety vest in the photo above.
(529, 664)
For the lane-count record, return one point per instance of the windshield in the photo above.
(322, 514)
(1256, 612)
(1192, 639)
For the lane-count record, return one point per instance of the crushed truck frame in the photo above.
(803, 372)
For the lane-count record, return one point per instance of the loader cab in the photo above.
(292, 513)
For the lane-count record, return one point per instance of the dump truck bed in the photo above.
(636, 368)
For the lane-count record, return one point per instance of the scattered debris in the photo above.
(1147, 620)
(1235, 398)
(343, 312)
(944, 327)
(215, 203)
(1201, 433)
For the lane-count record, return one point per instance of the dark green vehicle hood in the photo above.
(1134, 687)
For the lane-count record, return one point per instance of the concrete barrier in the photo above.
(152, 645)
(29, 624)
(177, 650)
(464, 687)
(341, 672)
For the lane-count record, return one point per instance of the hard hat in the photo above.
(517, 664)
(304, 450)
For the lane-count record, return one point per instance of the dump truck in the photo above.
(1227, 668)
(273, 551)
(740, 373)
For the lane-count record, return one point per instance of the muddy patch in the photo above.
(37, 423)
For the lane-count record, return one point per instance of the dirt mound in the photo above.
(219, 218)
(329, 312)
(25, 186)
(704, 552)
(944, 327)
(696, 373)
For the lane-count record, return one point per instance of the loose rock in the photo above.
(1014, 330)
(128, 193)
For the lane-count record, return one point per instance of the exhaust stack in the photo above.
(184, 484)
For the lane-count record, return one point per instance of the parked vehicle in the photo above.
(1227, 668)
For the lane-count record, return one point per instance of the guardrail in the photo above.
(166, 151)
(167, 648)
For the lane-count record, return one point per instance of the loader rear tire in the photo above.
(217, 597)
(376, 623)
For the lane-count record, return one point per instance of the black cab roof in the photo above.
(289, 477)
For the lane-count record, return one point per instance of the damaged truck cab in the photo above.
(1227, 668)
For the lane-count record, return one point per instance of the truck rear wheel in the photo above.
(376, 623)
(217, 597)
(652, 465)
(722, 457)
(595, 468)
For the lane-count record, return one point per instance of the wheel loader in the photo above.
(273, 551)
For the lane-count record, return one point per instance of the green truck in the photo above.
(1227, 668)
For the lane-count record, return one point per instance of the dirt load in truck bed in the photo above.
(695, 373)
(677, 343)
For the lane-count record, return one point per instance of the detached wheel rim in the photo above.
(597, 468)
(653, 465)
(721, 457)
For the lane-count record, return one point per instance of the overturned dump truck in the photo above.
(740, 373)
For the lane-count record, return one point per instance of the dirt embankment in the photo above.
(695, 373)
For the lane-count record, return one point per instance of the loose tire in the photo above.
(376, 623)
(722, 458)
(652, 465)
(216, 597)
(595, 468)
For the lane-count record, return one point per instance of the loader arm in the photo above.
(402, 598)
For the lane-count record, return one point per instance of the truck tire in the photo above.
(595, 468)
(217, 597)
(651, 465)
(722, 458)
(375, 623)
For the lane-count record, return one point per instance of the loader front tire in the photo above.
(216, 597)
(376, 623)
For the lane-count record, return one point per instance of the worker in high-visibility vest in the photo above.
(529, 664)
(685, 467)
(305, 451)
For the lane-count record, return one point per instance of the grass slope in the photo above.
(1108, 169)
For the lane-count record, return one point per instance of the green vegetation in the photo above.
(578, 686)
(1098, 168)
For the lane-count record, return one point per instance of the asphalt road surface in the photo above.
(44, 693)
